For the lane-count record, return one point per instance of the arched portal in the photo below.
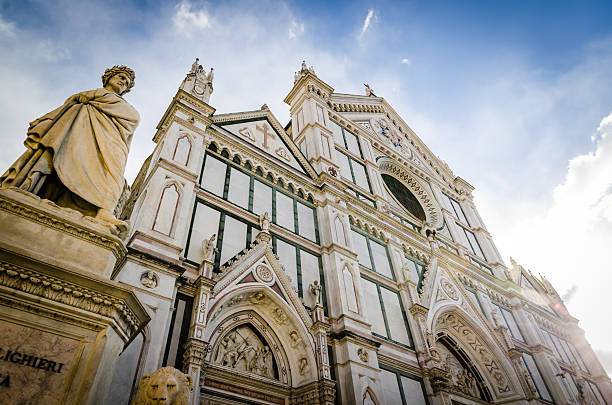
(476, 353)
(464, 375)
(260, 348)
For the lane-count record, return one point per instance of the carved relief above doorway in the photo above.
(242, 349)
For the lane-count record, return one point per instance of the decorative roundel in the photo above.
(264, 274)
(149, 279)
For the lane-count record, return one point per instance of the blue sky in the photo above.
(513, 95)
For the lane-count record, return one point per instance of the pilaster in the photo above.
(196, 346)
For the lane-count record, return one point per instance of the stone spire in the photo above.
(303, 71)
(198, 83)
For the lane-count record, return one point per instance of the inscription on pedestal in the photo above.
(33, 364)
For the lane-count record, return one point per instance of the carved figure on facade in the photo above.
(166, 386)
(242, 350)
(257, 297)
(194, 65)
(264, 222)
(368, 90)
(496, 320)
(303, 366)
(149, 279)
(295, 338)
(315, 290)
(466, 382)
(363, 354)
(76, 154)
(209, 247)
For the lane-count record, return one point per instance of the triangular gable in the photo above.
(262, 130)
(258, 265)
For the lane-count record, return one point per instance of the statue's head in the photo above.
(117, 70)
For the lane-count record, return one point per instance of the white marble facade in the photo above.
(417, 306)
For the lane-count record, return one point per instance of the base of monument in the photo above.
(63, 323)
(64, 237)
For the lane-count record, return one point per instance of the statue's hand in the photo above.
(81, 98)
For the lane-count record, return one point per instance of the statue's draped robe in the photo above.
(84, 145)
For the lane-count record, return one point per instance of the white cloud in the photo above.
(295, 29)
(6, 27)
(51, 52)
(366, 22)
(406, 61)
(569, 242)
(187, 19)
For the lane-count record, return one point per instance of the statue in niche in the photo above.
(76, 154)
(315, 290)
(209, 246)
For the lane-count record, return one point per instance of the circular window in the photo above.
(404, 196)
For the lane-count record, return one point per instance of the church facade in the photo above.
(333, 260)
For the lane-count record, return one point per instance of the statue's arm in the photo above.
(83, 97)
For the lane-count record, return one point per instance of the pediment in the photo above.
(257, 267)
(263, 131)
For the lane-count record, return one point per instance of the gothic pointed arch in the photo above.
(477, 352)
(274, 322)
(167, 208)
(245, 343)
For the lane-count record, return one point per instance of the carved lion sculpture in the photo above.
(166, 386)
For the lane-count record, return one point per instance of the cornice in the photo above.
(399, 365)
(98, 297)
(355, 338)
(177, 169)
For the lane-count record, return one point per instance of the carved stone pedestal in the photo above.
(63, 323)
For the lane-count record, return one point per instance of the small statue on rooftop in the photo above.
(194, 66)
(369, 91)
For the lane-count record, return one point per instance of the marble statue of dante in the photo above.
(76, 154)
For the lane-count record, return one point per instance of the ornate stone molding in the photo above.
(497, 375)
(75, 295)
(355, 107)
(433, 213)
(65, 220)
